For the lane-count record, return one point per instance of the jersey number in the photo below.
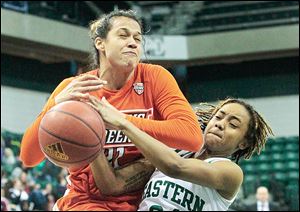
(113, 154)
(158, 208)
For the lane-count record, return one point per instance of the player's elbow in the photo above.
(173, 169)
(115, 188)
(111, 190)
(31, 156)
(193, 144)
(30, 161)
(198, 136)
(191, 136)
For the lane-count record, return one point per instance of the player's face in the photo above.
(262, 194)
(123, 45)
(225, 132)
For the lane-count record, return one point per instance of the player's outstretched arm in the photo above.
(224, 176)
(160, 155)
(69, 89)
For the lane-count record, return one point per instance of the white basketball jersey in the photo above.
(163, 193)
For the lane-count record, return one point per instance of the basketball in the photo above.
(71, 134)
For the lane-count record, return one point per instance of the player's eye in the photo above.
(217, 117)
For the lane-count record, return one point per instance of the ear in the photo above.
(99, 44)
(244, 144)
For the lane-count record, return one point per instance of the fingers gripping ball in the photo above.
(71, 134)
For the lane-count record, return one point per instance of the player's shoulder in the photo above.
(148, 67)
(216, 159)
(152, 70)
(67, 80)
(224, 162)
(90, 72)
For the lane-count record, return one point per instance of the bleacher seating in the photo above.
(279, 163)
(44, 9)
(71, 12)
(207, 17)
(20, 6)
(156, 13)
(236, 15)
(215, 16)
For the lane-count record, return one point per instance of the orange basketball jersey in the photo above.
(152, 94)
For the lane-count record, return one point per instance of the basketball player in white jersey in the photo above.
(210, 180)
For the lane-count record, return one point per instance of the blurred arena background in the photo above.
(245, 49)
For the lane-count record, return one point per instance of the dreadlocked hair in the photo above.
(258, 129)
(204, 113)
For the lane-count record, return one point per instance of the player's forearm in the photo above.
(30, 152)
(130, 178)
(104, 175)
(134, 176)
(179, 133)
(160, 155)
(178, 127)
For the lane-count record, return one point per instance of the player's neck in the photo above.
(115, 79)
(205, 153)
(202, 154)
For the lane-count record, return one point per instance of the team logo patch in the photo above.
(56, 151)
(138, 87)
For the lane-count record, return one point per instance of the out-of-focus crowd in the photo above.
(27, 189)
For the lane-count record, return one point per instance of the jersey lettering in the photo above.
(175, 193)
(116, 138)
(112, 155)
(116, 141)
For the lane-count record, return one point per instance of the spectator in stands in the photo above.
(25, 179)
(37, 198)
(4, 178)
(278, 191)
(17, 193)
(50, 202)
(2, 147)
(17, 171)
(25, 206)
(50, 171)
(8, 184)
(263, 202)
(5, 204)
(9, 160)
(210, 180)
(48, 189)
(60, 187)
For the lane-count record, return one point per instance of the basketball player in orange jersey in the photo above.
(148, 95)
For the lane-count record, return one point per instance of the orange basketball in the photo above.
(71, 134)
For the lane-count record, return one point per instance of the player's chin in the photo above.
(215, 142)
(131, 63)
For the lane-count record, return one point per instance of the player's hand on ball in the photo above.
(113, 118)
(78, 88)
